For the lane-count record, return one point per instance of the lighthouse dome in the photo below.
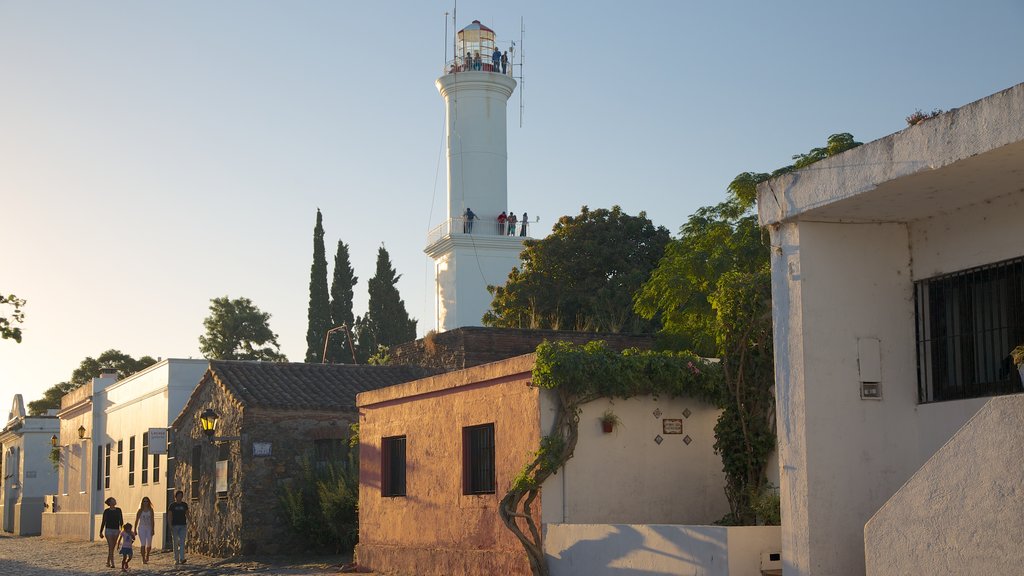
(476, 40)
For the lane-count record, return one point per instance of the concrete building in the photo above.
(121, 451)
(27, 472)
(442, 451)
(272, 419)
(470, 253)
(898, 293)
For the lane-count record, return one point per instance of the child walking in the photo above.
(124, 543)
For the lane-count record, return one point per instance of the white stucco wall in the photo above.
(148, 399)
(28, 473)
(625, 477)
(649, 550)
(849, 237)
(464, 266)
(963, 511)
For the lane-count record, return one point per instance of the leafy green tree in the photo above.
(342, 292)
(582, 276)
(7, 328)
(319, 303)
(712, 294)
(238, 330)
(386, 322)
(88, 369)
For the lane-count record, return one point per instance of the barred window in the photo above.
(967, 323)
(106, 470)
(131, 461)
(392, 466)
(478, 459)
(145, 458)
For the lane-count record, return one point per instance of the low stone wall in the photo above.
(963, 511)
(650, 549)
(67, 525)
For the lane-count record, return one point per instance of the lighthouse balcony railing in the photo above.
(473, 65)
(478, 227)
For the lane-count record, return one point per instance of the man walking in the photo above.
(178, 511)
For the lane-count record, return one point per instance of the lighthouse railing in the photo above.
(462, 64)
(478, 227)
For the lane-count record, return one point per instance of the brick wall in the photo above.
(472, 346)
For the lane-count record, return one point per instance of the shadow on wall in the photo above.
(663, 547)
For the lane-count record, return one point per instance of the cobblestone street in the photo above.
(35, 556)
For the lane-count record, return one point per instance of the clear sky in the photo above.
(155, 155)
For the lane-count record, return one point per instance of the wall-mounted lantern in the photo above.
(81, 434)
(208, 424)
(54, 440)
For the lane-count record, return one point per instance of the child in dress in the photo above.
(124, 543)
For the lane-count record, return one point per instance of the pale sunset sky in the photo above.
(155, 155)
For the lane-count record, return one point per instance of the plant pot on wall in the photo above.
(608, 421)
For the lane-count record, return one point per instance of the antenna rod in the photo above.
(455, 31)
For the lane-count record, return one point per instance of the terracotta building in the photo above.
(270, 417)
(441, 452)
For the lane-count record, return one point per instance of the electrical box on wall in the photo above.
(869, 364)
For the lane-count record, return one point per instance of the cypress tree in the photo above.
(386, 322)
(319, 304)
(342, 287)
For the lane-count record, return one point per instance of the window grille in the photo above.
(967, 323)
(393, 466)
(145, 458)
(106, 470)
(120, 453)
(99, 468)
(131, 461)
(330, 453)
(478, 459)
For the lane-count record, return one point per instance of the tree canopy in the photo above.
(582, 276)
(238, 330)
(342, 292)
(319, 303)
(8, 330)
(88, 369)
(386, 322)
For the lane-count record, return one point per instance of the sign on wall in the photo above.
(222, 476)
(672, 426)
(158, 440)
(260, 449)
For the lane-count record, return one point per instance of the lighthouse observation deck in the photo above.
(477, 51)
(481, 227)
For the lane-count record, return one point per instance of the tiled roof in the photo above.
(293, 385)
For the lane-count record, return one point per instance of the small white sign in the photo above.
(222, 476)
(158, 440)
(260, 449)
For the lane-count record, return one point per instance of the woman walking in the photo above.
(145, 525)
(110, 527)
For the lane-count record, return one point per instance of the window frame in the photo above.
(394, 482)
(131, 461)
(966, 323)
(479, 476)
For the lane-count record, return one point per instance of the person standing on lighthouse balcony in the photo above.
(495, 59)
(502, 219)
(511, 223)
(504, 62)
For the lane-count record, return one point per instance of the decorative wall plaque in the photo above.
(658, 439)
(657, 412)
(672, 426)
(261, 449)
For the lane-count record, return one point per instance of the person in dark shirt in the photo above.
(178, 511)
(110, 527)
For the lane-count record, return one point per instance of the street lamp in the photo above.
(54, 440)
(81, 434)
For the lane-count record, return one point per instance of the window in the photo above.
(145, 458)
(478, 459)
(156, 468)
(392, 466)
(967, 323)
(328, 452)
(99, 467)
(106, 469)
(120, 453)
(197, 458)
(131, 461)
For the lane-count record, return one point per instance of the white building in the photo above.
(470, 254)
(898, 293)
(114, 458)
(26, 471)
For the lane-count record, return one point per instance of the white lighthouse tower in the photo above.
(470, 249)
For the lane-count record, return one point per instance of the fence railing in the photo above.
(478, 227)
(472, 64)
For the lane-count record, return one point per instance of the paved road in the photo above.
(35, 556)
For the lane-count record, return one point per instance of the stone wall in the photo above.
(249, 518)
(472, 346)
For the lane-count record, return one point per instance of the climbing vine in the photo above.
(581, 374)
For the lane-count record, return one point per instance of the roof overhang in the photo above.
(966, 156)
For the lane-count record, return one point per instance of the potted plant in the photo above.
(608, 421)
(1018, 359)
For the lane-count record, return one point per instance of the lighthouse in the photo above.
(471, 249)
